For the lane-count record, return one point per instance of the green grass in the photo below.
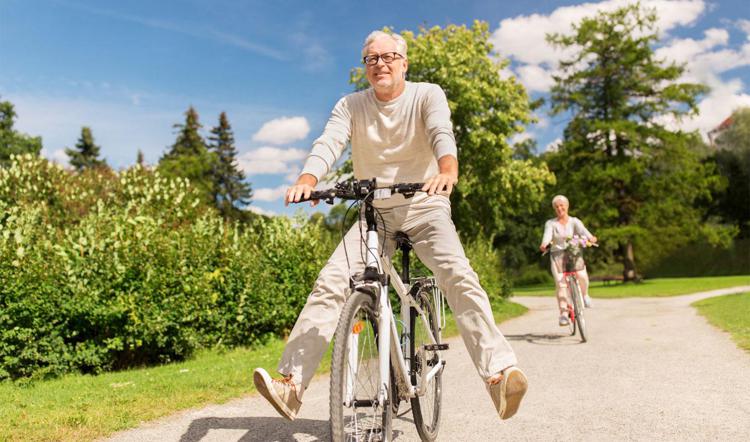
(730, 313)
(650, 287)
(82, 408)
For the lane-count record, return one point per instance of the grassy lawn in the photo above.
(650, 287)
(730, 313)
(81, 408)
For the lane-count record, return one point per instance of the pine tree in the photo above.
(189, 157)
(11, 141)
(139, 160)
(632, 178)
(86, 153)
(230, 187)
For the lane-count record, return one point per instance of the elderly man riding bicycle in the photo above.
(399, 132)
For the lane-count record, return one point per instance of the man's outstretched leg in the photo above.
(437, 244)
(314, 329)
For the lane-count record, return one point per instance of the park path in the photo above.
(653, 369)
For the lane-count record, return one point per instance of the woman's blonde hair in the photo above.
(560, 198)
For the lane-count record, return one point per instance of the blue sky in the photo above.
(129, 70)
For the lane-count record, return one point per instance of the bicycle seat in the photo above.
(402, 240)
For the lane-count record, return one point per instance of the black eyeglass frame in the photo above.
(378, 57)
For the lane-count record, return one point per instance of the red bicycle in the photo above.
(572, 263)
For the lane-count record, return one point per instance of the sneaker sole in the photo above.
(513, 390)
(262, 380)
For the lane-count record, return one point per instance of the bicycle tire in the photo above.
(575, 291)
(571, 310)
(425, 409)
(351, 422)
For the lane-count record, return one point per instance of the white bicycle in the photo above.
(376, 364)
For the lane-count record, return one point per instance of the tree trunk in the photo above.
(628, 262)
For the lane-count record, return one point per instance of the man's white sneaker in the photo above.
(281, 393)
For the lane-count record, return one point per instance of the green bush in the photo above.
(103, 271)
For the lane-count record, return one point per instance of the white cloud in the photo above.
(270, 160)
(522, 39)
(535, 78)
(283, 130)
(261, 211)
(553, 146)
(744, 25)
(718, 105)
(274, 194)
(520, 137)
(58, 156)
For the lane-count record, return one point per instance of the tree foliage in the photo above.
(486, 109)
(733, 162)
(230, 187)
(633, 178)
(86, 152)
(13, 142)
(190, 158)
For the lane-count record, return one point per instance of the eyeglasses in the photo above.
(388, 57)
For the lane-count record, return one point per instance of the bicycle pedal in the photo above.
(435, 347)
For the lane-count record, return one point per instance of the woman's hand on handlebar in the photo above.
(301, 190)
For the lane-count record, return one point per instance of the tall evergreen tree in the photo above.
(139, 160)
(11, 141)
(230, 187)
(189, 157)
(632, 178)
(86, 153)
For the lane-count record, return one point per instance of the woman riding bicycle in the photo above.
(557, 232)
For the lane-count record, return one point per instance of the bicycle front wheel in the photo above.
(356, 412)
(425, 408)
(575, 292)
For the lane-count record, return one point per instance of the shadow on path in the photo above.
(259, 429)
(546, 338)
(263, 429)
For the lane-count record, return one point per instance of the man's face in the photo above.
(384, 76)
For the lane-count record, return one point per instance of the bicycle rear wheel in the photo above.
(425, 408)
(575, 292)
(356, 413)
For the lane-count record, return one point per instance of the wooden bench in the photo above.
(606, 279)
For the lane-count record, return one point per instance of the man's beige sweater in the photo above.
(398, 141)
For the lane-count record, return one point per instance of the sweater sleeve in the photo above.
(547, 237)
(328, 147)
(437, 120)
(581, 229)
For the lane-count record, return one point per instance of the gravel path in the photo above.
(652, 370)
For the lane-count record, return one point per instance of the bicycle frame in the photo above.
(389, 347)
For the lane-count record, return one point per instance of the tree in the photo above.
(139, 159)
(190, 158)
(229, 184)
(11, 141)
(86, 153)
(486, 110)
(633, 179)
(733, 162)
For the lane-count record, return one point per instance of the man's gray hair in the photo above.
(560, 198)
(399, 40)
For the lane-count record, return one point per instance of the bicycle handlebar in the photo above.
(361, 190)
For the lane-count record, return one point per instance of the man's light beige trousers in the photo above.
(430, 228)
